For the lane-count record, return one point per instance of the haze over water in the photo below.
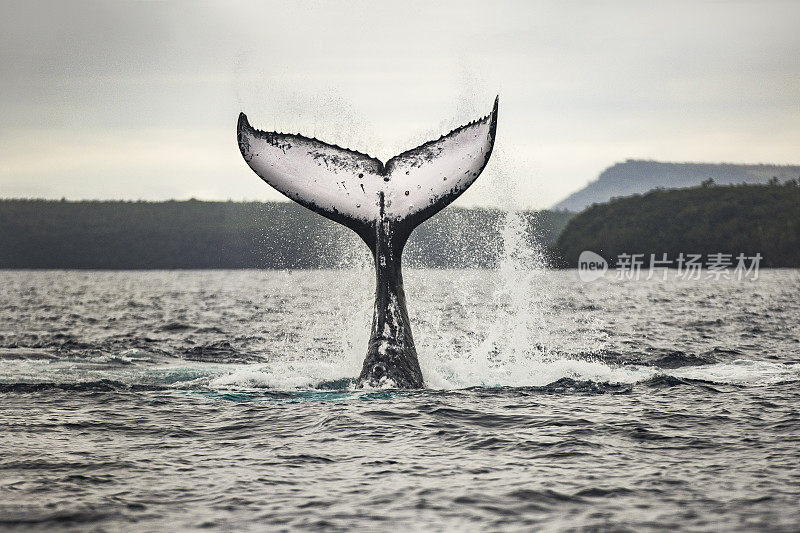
(223, 399)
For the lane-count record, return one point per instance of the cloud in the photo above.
(153, 88)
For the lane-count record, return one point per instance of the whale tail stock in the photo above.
(382, 203)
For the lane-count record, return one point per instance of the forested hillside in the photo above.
(704, 220)
(195, 234)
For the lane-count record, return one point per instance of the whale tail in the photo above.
(382, 203)
(358, 190)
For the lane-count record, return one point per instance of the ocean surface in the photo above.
(178, 400)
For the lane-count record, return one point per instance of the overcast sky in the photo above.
(139, 100)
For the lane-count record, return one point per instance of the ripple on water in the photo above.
(189, 411)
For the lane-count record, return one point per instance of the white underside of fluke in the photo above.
(350, 184)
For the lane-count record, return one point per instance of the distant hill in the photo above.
(194, 234)
(746, 219)
(637, 177)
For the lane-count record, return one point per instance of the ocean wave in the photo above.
(103, 385)
(133, 371)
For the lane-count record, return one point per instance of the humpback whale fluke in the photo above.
(383, 203)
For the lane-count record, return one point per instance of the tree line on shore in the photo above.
(745, 219)
(731, 220)
(199, 234)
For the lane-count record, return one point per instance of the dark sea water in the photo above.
(146, 401)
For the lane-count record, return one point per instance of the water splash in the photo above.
(516, 346)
